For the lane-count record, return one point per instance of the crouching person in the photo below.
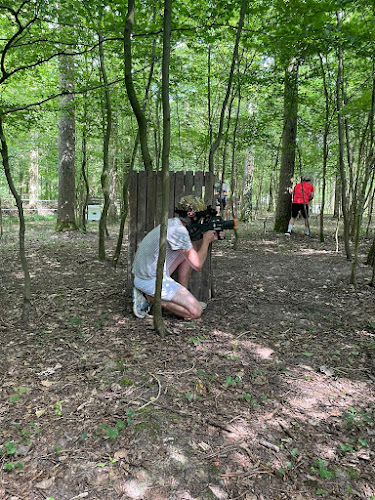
(181, 255)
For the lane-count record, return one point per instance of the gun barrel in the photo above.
(229, 224)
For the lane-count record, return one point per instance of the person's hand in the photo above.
(210, 236)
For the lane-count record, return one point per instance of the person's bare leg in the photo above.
(183, 304)
(291, 224)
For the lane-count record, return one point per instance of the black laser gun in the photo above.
(217, 223)
(209, 222)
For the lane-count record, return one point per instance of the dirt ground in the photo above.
(269, 396)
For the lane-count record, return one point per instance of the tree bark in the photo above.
(67, 192)
(167, 21)
(34, 173)
(288, 153)
(216, 144)
(17, 197)
(340, 129)
(134, 102)
(107, 137)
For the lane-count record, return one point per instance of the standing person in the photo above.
(180, 256)
(303, 193)
(221, 193)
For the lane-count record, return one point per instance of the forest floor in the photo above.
(269, 396)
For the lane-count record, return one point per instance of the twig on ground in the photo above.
(152, 401)
(269, 445)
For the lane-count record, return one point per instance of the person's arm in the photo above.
(197, 258)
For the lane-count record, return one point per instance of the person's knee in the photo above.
(196, 311)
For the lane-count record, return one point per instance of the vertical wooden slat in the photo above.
(171, 195)
(209, 184)
(151, 201)
(141, 206)
(158, 198)
(178, 186)
(198, 184)
(189, 179)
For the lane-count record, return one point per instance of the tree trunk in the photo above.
(216, 144)
(167, 21)
(327, 123)
(288, 153)
(340, 129)
(369, 165)
(247, 187)
(34, 173)
(138, 112)
(107, 137)
(17, 197)
(67, 192)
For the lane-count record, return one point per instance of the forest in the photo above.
(269, 395)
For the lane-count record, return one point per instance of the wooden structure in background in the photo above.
(145, 212)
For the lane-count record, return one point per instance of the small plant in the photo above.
(112, 433)
(130, 415)
(196, 340)
(202, 373)
(58, 407)
(347, 447)
(10, 449)
(19, 392)
(322, 471)
(249, 398)
(229, 381)
(126, 382)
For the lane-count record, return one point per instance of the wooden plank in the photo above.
(179, 186)
(209, 186)
(189, 182)
(171, 195)
(198, 184)
(151, 201)
(141, 206)
(158, 198)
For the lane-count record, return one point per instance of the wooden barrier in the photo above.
(145, 213)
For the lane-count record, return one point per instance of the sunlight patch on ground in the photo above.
(310, 251)
(258, 350)
(324, 397)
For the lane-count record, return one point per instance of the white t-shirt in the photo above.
(146, 258)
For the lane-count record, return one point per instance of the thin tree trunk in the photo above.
(107, 137)
(84, 176)
(158, 319)
(216, 144)
(341, 149)
(34, 173)
(369, 165)
(127, 172)
(327, 123)
(17, 197)
(233, 186)
(137, 109)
